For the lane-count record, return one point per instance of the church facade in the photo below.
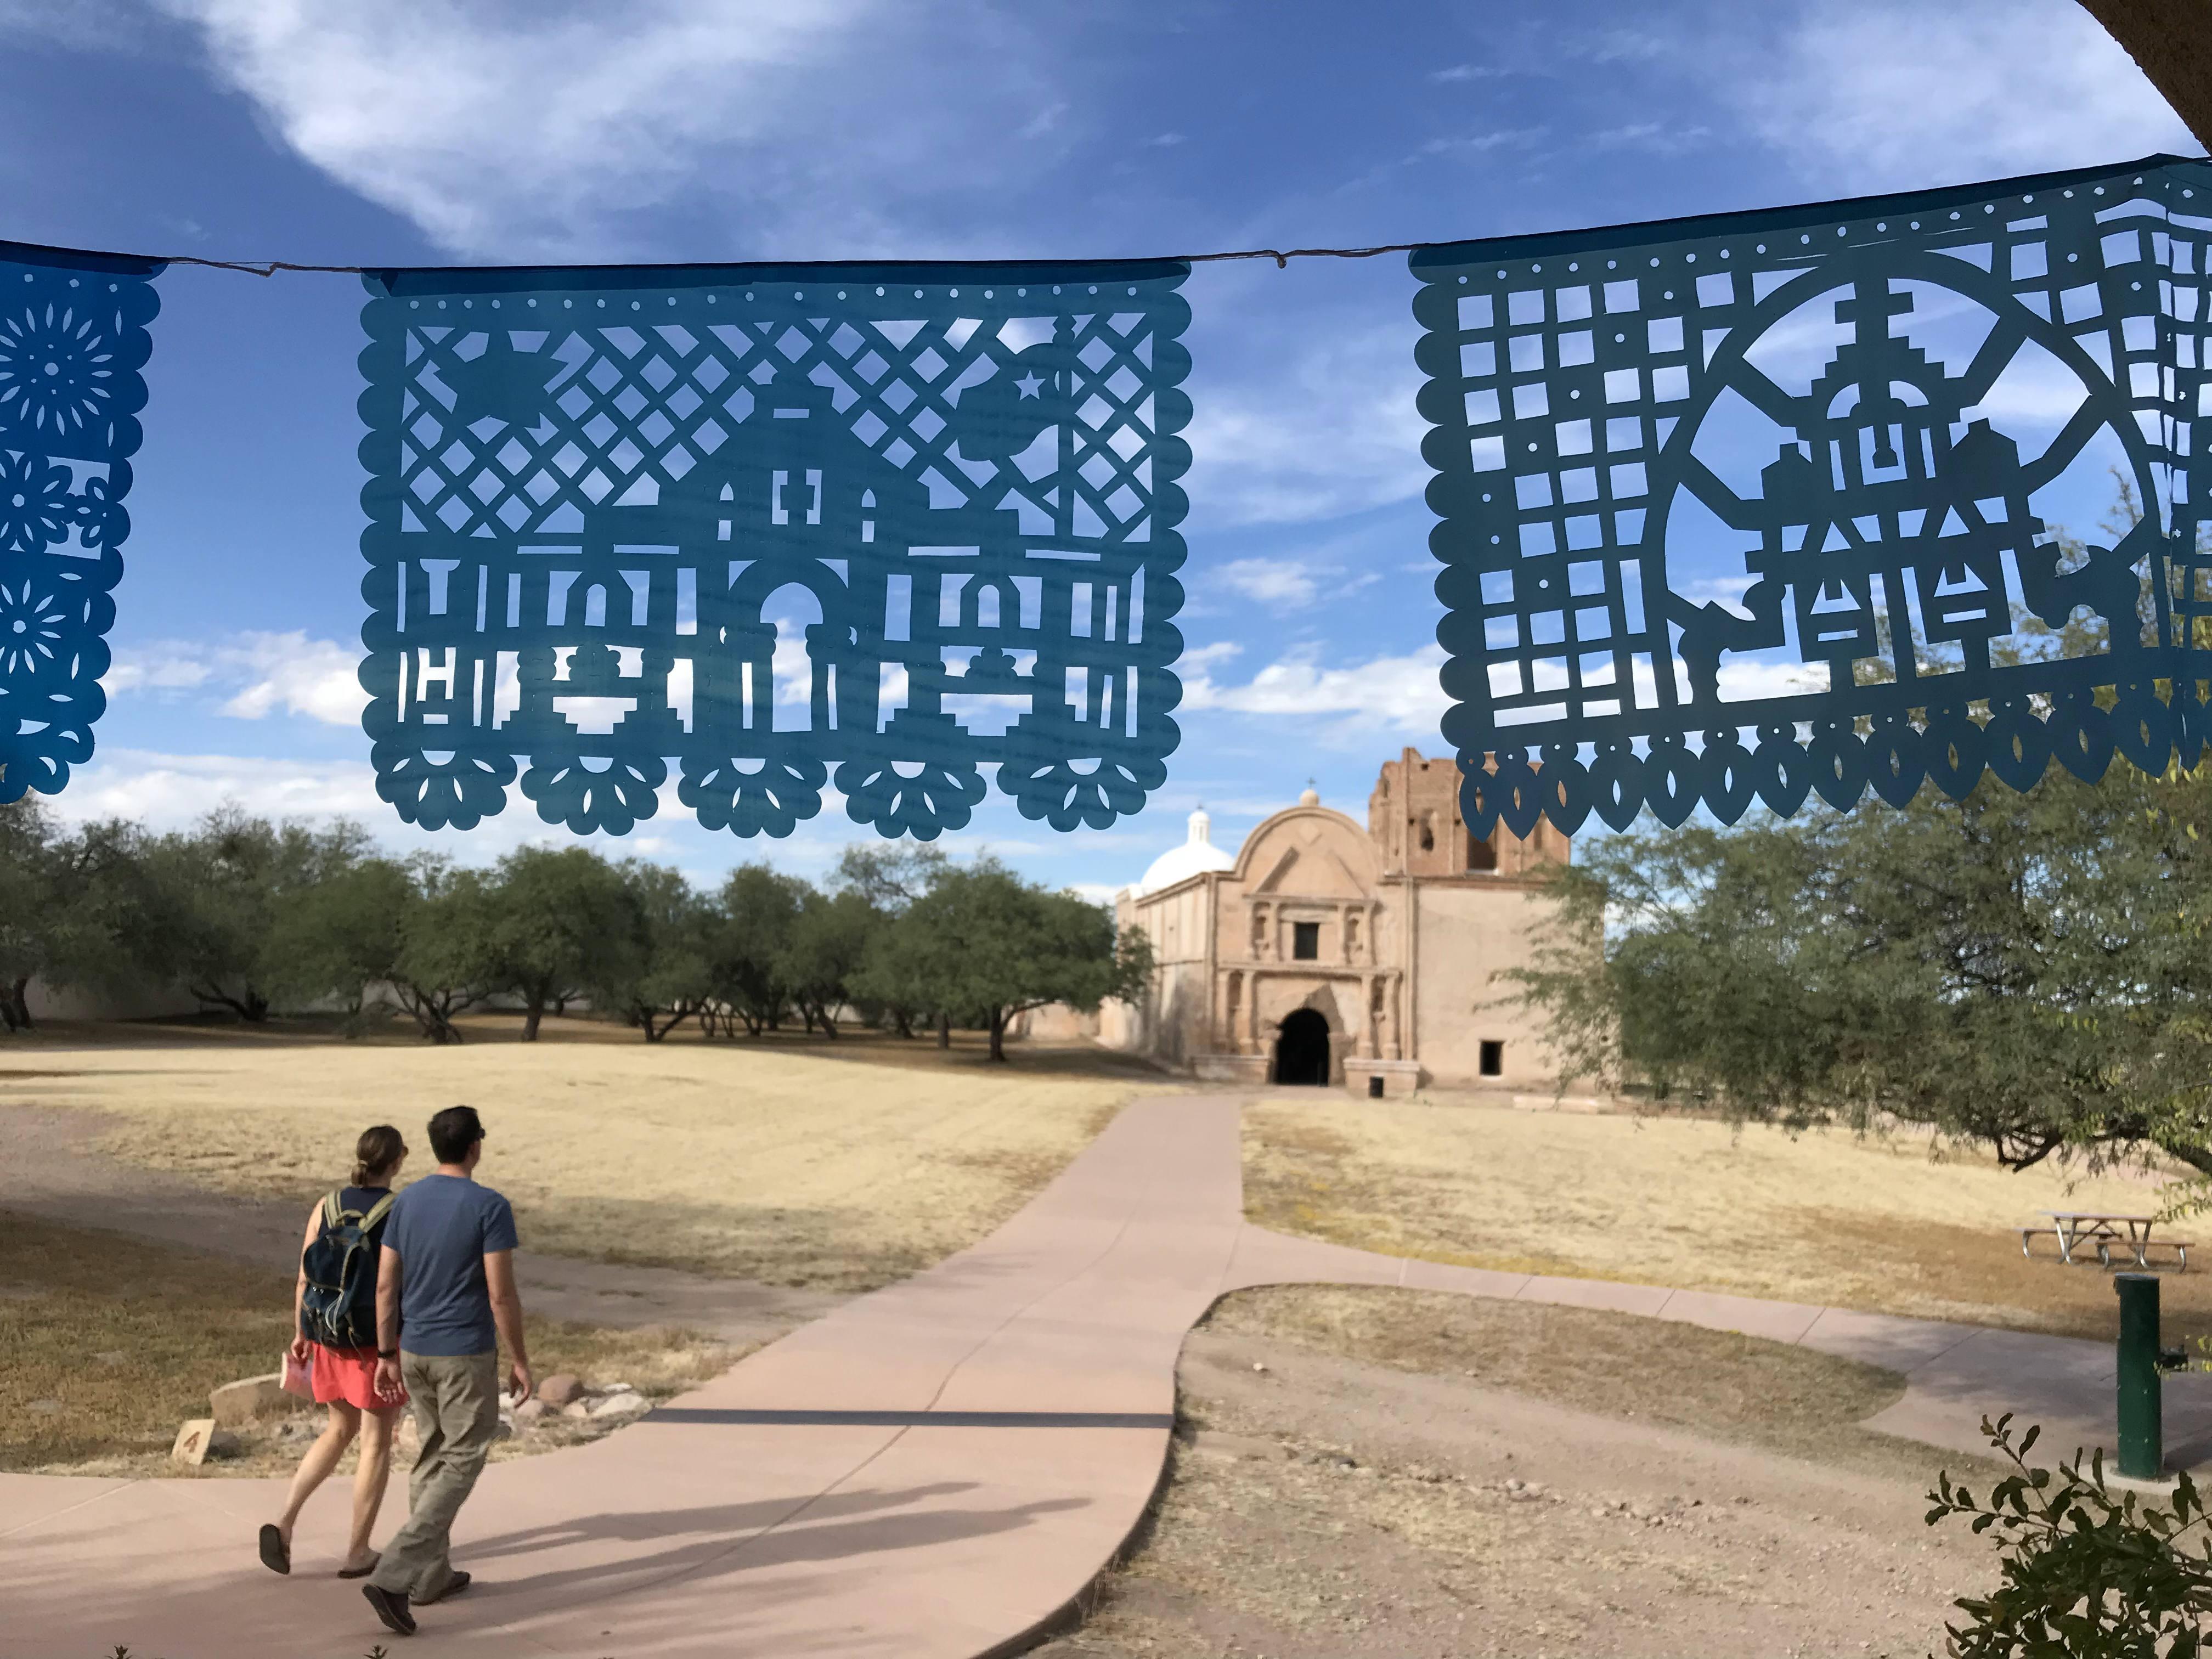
(1325, 952)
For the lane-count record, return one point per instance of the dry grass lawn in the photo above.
(1897, 1225)
(107, 1343)
(840, 1166)
(1717, 1383)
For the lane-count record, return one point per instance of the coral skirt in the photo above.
(348, 1375)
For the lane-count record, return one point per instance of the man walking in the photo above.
(445, 1300)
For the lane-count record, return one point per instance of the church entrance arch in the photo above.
(1302, 1048)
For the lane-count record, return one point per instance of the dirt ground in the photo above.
(1893, 1225)
(1386, 1474)
(837, 1166)
(110, 1343)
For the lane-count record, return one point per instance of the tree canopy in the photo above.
(250, 917)
(982, 943)
(2029, 971)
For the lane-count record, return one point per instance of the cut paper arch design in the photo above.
(873, 528)
(74, 344)
(1768, 507)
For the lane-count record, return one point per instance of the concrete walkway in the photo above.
(936, 1469)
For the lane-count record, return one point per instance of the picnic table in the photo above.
(2105, 1233)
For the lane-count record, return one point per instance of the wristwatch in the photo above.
(387, 1353)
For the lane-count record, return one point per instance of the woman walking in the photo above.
(334, 1308)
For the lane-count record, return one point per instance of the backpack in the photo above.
(338, 1310)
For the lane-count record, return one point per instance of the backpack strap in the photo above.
(333, 1206)
(377, 1212)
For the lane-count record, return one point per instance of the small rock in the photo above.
(632, 1404)
(560, 1388)
(45, 1408)
(236, 1404)
(614, 1387)
(576, 1408)
(1233, 1448)
(1257, 1367)
(530, 1411)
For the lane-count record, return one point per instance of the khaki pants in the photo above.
(456, 1402)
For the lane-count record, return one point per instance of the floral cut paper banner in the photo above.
(1760, 506)
(792, 527)
(73, 342)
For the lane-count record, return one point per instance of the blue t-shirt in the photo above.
(443, 1226)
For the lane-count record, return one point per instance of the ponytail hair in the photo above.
(376, 1153)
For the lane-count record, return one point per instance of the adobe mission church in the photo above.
(1324, 952)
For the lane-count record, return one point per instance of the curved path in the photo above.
(931, 1472)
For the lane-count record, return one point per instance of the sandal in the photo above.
(360, 1572)
(275, 1553)
(454, 1586)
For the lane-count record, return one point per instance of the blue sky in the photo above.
(417, 132)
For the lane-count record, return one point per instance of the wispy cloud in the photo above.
(1321, 425)
(1278, 584)
(1459, 72)
(1481, 143)
(1653, 138)
(511, 131)
(1284, 585)
(1873, 88)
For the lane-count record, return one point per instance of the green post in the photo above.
(2142, 1449)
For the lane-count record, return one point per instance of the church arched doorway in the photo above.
(1302, 1048)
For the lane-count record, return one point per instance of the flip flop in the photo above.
(275, 1553)
(360, 1572)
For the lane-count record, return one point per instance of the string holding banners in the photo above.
(1773, 505)
(73, 343)
(873, 527)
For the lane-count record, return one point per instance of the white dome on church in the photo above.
(1195, 857)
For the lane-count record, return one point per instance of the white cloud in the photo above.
(169, 790)
(264, 673)
(1398, 693)
(1901, 93)
(514, 130)
(1197, 658)
(314, 678)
